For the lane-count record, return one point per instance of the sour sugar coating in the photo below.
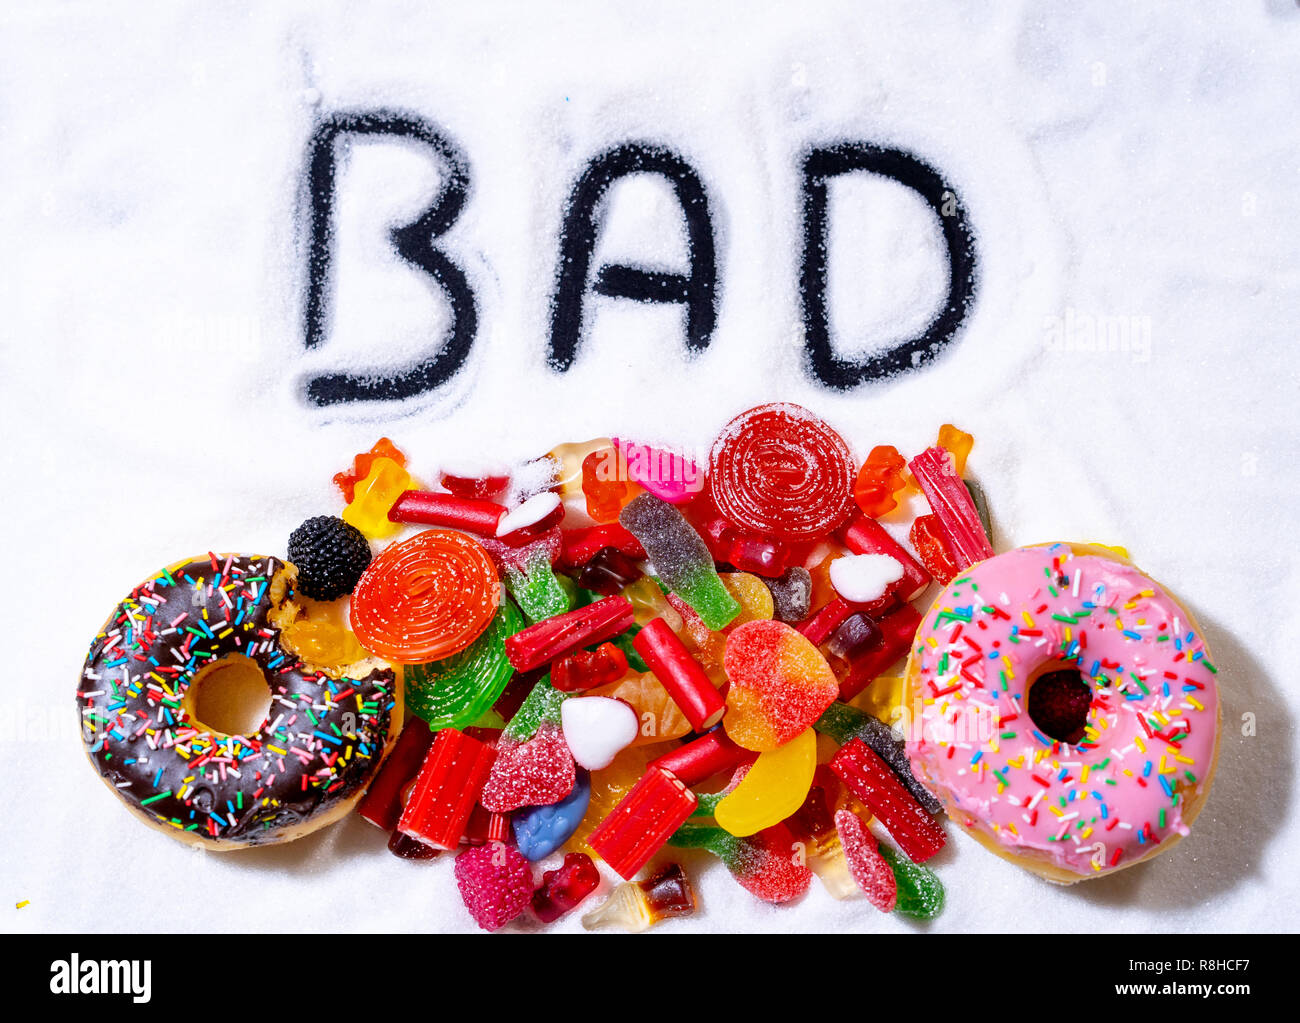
(791, 594)
(680, 558)
(780, 685)
(1141, 766)
(780, 472)
(532, 773)
(765, 864)
(870, 870)
(150, 676)
(495, 882)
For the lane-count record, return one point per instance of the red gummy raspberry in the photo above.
(495, 883)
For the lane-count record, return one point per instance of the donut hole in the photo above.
(228, 697)
(1058, 703)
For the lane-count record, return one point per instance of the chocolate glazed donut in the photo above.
(153, 667)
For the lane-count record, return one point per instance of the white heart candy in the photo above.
(860, 578)
(596, 728)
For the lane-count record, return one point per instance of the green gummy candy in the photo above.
(920, 892)
(542, 704)
(981, 506)
(538, 591)
(713, 602)
(456, 691)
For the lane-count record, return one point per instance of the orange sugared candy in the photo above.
(780, 685)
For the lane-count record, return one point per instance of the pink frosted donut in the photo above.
(1111, 758)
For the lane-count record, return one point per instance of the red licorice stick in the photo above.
(898, 629)
(864, 535)
(817, 627)
(642, 822)
(382, 803)
(951, 502)
(680, 674)
(541, 643)
(499, 827)
(446, 790)
(430, 509)
(870, 779)
(581, 545)
(702, 758)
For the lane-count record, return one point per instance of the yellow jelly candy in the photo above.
(754, 598)
(958, 444)
(881, 699)
(647, 600)
(660, 717)
(375, 495)
(773, 789)
(568, 459)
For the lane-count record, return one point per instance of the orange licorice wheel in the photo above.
(425, 598)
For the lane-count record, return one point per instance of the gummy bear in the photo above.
(958, 444)
(587, 669)
(604, 482)
(568, 460)
(880, 480)
(374, 496)
(565, 887)
(813, 824)
(495, 883)
(384, 448)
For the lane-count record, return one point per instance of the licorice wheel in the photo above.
(425, 598)
(781, 472)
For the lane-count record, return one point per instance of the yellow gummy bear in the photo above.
(958, 444)
(773, 789)
(375, 495)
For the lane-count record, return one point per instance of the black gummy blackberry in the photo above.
(330, 556)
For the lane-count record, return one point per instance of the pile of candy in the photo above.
(649, 654)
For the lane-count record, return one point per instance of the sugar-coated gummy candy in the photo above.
(495, 882)
(542, 704)
(780, 685)
(639, 905)
(844, 723)
(540, 830)
(959, 520)
(791, 594)
(535, 587)
(869, 869)
(870, 779)
(778, 471)
(535, 772)
(680, 558)
(640, 824)
(773, 789)
(446, 789)
(564, 888)
(425, 598)
(584, 626)
(766, 864)
(920, 892)
(458, 690)
(880, 480)
(596, 728)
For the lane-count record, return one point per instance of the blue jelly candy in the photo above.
(540, 830)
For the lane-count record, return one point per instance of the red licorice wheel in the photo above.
(425, 598)
(780, 472)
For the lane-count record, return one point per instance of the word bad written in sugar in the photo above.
(577, 279)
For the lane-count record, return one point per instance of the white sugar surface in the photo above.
(1130, 170)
